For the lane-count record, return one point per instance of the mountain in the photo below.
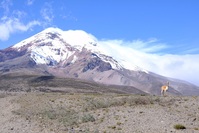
(77, 54)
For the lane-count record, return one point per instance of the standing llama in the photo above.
(164, 88)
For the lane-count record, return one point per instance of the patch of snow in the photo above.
(74, 59)
(39, 59)
(52, 53)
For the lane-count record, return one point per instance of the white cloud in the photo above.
(47, 12)
(4, 34)
(5, 4)
(137, 52)
(12, 25)
(12, 21)
(148, 46)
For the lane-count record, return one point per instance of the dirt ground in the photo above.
(97, 113)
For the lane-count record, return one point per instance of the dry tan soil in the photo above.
(97, 113)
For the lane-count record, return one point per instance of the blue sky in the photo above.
(165, 28)
(172, 22)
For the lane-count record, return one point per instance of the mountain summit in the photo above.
(77, 54)
(60, 45)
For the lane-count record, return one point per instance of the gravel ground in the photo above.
(9, 122)
(97, 113)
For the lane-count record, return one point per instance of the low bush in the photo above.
(88, 118)
(179, 126)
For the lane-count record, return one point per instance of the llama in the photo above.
(164, 88)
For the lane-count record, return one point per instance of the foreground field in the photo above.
(97, 113)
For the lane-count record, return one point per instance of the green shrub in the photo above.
(87, 118)
(179, 126)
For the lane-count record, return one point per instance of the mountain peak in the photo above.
(72, 37)
(77, 38)
(53, 44)
(52, 30)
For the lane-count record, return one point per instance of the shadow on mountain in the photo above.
(38, 83)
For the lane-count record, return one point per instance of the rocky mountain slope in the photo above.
(77, 54)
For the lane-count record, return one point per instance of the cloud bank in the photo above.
(145, 54)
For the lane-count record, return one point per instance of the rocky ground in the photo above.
(97, 113)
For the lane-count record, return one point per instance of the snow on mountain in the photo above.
(52, 45)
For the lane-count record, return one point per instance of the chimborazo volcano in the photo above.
(76, 54)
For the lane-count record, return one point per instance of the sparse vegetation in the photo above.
(100, 101)
(112, 127)
(100, 112)
(88, 118)
(119, 123)
(76, 109)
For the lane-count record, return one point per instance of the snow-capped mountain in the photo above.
(60, 45)
(77, 54)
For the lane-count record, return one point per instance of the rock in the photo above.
(97, 62)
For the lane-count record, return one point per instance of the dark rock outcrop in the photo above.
(97, 62)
